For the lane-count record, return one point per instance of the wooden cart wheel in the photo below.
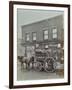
(38, 66)
(49, 65)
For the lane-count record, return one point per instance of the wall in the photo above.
(26, 16)
(20, 48)
(4, 45)
(40, 26)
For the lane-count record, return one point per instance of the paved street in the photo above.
(34, 75)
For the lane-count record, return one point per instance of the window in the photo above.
(34, 35)
(59, 45)
(54, 33)
(45, 34)
(46, 46)
(37, 45)
(27, 37)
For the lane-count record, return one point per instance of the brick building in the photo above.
(45, 34)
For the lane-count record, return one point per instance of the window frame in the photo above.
(26, 37)
(45, 34)
(55, 33)
(32, 36)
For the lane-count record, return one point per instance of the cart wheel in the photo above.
(49, 65)
(38, 66)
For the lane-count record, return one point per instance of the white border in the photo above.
(46, 81)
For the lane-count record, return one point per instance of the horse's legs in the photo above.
(32, 65)
(22, 66)
(26, 65)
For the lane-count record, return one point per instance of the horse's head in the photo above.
(20, 58)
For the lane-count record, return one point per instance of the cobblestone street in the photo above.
(34, 75)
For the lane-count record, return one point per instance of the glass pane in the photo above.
(59, 45)
(46, 37)
(27, 37)
(54, 30)
(34, 36)
(46, 46)
(55, 35)
(46, 32)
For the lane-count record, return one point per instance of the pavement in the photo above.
(34, 75)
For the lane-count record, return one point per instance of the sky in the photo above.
(27, 16)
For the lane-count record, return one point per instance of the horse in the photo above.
(26, 61)
(20, 58)
(29, 61)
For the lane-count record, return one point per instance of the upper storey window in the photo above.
(45, 34)
(34, 36)
(54, 33)
(27, 37)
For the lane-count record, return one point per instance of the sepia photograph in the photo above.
(39, 46)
